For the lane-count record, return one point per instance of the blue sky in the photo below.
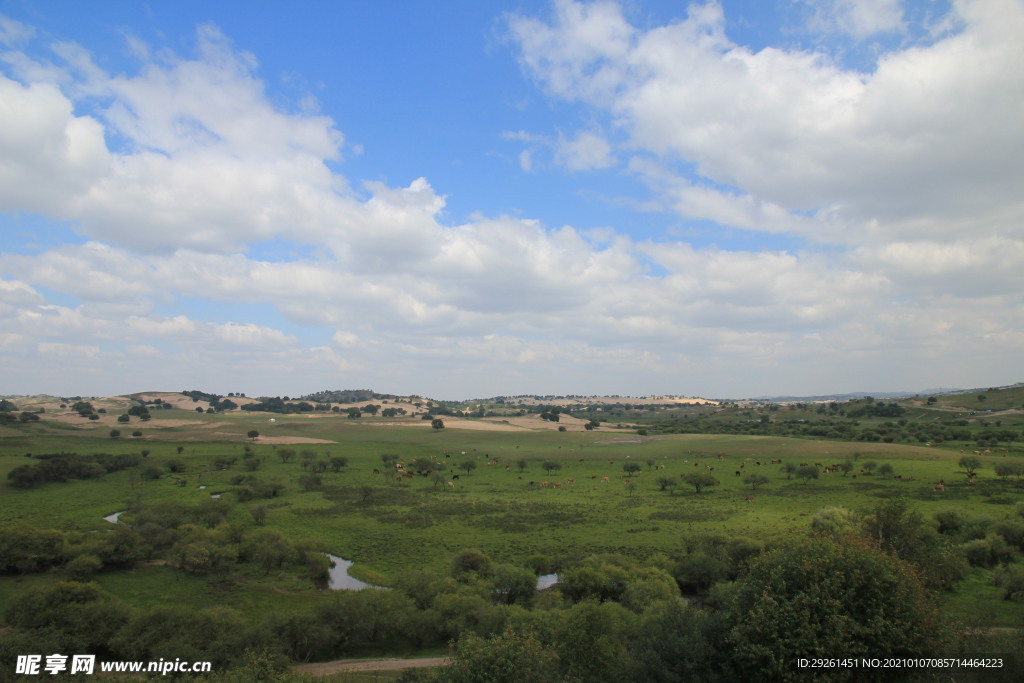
(464, 199)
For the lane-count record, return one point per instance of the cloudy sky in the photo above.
(464, 199)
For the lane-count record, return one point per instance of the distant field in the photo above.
(388, 527)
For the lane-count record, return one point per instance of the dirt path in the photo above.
(340, 665)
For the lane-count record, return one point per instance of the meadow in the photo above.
(487, 495)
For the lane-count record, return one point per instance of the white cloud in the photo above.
(859, 18)
(932, 135)
(585, 152)
(904, 181)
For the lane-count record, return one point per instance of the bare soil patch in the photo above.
(341, 665)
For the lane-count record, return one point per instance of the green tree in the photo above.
(252, 434)
(664, 483)
(115, 433)
(471, 562)
(678, 643)
(970, 463)
(755, 480)
(511, 584)
(513, 657)
(632, 468)
(824, 596)
(700, 480)
(467, 466)
(550, 466)
(437, 424)
(807, 473)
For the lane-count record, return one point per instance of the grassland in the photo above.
(390, 525)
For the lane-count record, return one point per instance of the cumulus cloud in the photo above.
(903, 182)
(859, 18)
(930, 134)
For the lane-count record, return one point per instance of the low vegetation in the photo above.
(680, 555)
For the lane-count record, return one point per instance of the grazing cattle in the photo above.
(570, 481)
(818, 464)
(738, 473)
(939, 487)
(776, 462)
(604, 479)
(451, 484)
(507, 468)
(543, 484)
(558, 484)
(749, 499)
(758, 463)
(531, 483)
(593, 476)
(376, 471)
(455, 476)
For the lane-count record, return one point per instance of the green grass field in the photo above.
(389, 527)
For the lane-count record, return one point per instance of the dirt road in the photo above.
(339, 665)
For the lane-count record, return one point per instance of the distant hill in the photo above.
(345, 396)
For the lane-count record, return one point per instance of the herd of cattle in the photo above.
(402, 473)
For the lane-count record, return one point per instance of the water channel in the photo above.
(338, 578)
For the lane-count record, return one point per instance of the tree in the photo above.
(513, 657)
(886, 470)
(115, 433)
(123, 418)
(252, 434)
(755, 480)
(467, 466)
(871, 602)
(511, 584)
(789, 469)
(700, 480)
(550, 466)
(308, 482)
(664, 483)
(437, 424)
(1007, 469)
(1011, 579)
(136, 433)
(337, 463)
(521, 464)
(869, 467)
(259, 514)
(970, 463)
(631, 468)
(846, 466)
(807, 473)
(471, 562)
